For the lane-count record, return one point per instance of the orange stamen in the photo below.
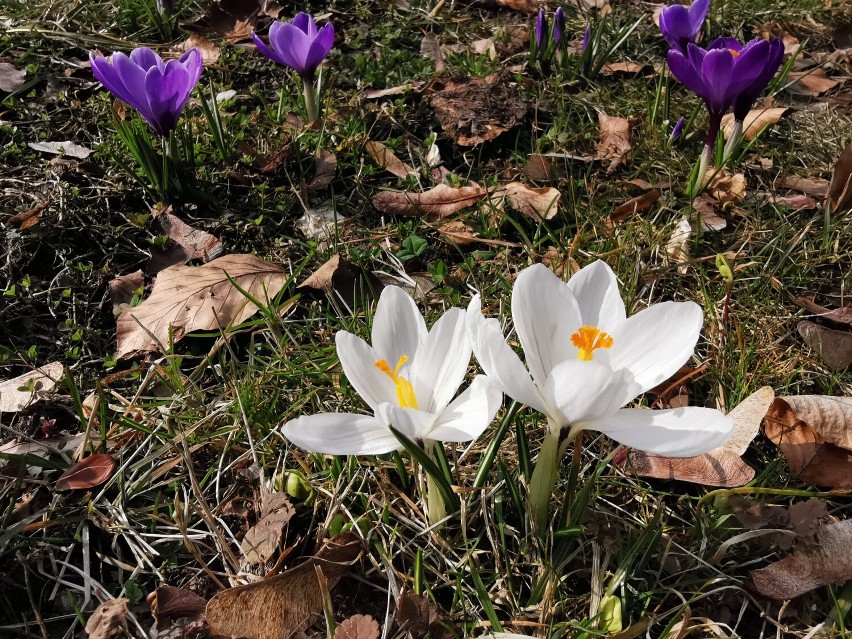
(589, 338)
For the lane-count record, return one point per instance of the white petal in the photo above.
(545, 313)
(498, 360)
(678, 432)
(470, 413)
(595, 288)
(588, 390)
(656, 342)
(414, 424)
(441, 362)
(340, 434)
(398, 327)
(359, 365)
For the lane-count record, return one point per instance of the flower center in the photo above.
(587, 339)
(736, 54)
(404, 389)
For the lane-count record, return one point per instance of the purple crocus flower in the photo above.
(586, 35)
(680, 25)
(676, 131)
(158, 90)
(746, 98)
(558, 28)
(540, 30)
(298, 44)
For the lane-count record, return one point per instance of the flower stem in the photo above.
(310, 99)
(707, 154)
(544, 478)
(436, 509)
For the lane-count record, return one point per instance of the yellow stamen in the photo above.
(404, 389)
(736, 54)
(589, 338)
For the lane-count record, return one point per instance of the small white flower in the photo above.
(408, 377)
(587, 359)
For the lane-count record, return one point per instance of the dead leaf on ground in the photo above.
(281, 605)
(320, 223)
(614, 140)
(840, 188)
(632, 206)
(387, 159)
(44, 448)
(800, 202)
(122, 288)
(458, 232)
(474, 110)
(722, 466)
(524, 6)
(706, 211)
(833, 346)
(190, 243)
(540, 168)
(87, 473)
(754, 121)
(436, 203)
(29, 218)
(196, 298)
(677, 248)
(263, 539)
(416, 614)
(236, 19)
(536, 203)
(814, 433)
(430, 48)
(811, 565)
(810, 83)
(402, 89)
(10, 78)
(626, 67)
(817, 187)
(484, 46)
(325, 168)
(21, 391)
(841, 316)
(357, 627)
(727, 187)
(69, 149)
(341, 280)
(171, 602)
(209, 51)
(109, 620)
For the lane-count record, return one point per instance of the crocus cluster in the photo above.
(547, 46)
(301, 46)
(585, 360)
(726, 75)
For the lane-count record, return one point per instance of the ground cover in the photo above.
(445, 163)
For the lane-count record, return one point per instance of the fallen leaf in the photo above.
(614, 140)
(834, 347)
(209, 51)
(281, 605)
(727, 187)
(840, 188)
(372, 94)
(21, 391)
(800, 202)
(29, 218)
(842, 315)
(754, 121)
(236, 19)
(430, 48)
(357, 627)
(539, 168)
(87, 473)
(192, 243)
(325, 168)
(722, 466)
(263, 539)
(342, 280)
(109, 620)
(10, 78)
(524, 6)
(810, 83)
(190, 298)
(386, 159)
(536, 203)
(70, 149)
(173, 603)
(14, 452)
(458, 232)
(122, 288)
(416, 614)
(320, 223)
(811, 565)
(436, 203)
(632, 206)
(626, 67)
(816, 187)
(485, 46)
(813, 433)
(473, 110)
(677, 248)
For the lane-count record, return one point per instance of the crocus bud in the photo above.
(558, 28)
(676, 131)
(299, 44)
(586, 35)
(540, 30)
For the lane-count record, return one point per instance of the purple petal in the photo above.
(675, 27)
(684, 71)
(165, 91)
(133, 78)
(108, 76)
(265, 50)
(305, 23)
(292, 45)
(145, 58)
(697, 12)
(717, 69)
(726, 43)
(746, 98)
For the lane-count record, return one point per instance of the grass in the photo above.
(195, 431)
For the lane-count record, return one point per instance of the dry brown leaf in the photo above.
(840, 189)
(173, 603)
(473, 110)
(834, 347)
(28, 218)
(800, 202)
(68, 149)
(357, 627)
(19, 392)
(632, 206)
(754, 121)
(524, 6)
(539, 168)
(386, 159)
(325, 168)
(436, 203)
(430, 47)
(814, 432)
(677, 248)
(192, 243)
(320, 223)
(10, 78)
(707, 212)
(43, 448)
(458, 232)
(186, 299)
(109, 620)
(341, 280)
(727, 187)
(416, 614)
(626, 67)
(263, 539)
(536, 203)
(811, 83)
(87, 473)
(372, 94)
(236, 19)
(280, 606)
(816, 187)
(614, 140)
(485, 46)
(842, 315)
(811, 565)
(209, 51)
(122, 288)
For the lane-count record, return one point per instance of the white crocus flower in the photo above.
(408, 377)
(586, 360)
